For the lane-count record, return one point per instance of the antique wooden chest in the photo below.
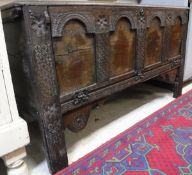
(65, 57)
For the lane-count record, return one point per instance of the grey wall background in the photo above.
(188, 62)
(172, 3)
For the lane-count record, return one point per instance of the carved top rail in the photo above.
(105, 20)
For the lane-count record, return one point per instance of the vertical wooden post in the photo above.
(43, 77)
(141, 38)
(102, 54)
(178, 85)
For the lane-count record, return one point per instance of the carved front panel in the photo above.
(175, 38)
(74, 54)
(122, 49)
(153, 46)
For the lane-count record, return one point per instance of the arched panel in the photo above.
(122, 44)
(154, 41)
(124, 15)
(158, 16)
(175, 38)
(61, 19)
(74, 54)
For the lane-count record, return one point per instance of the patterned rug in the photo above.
(159, 145)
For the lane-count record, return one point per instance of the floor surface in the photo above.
(119, 113)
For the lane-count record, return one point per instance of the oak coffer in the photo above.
(65, 57)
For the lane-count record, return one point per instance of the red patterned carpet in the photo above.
(159, 145)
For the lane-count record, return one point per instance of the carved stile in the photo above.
(45, 86)
(102, 51)
(140, 47)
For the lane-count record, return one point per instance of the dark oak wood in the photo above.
(122, 49)
(45, 87)
(70, 56)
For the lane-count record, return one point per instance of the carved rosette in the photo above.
(102, 24)
(79, 123)
(38, 23)
(141, 17)
(169, 19)
(77, 119)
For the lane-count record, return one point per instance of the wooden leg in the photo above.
(45, 86)
(180, 71)
(178, 85)
(172, 80)
(52, 128)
